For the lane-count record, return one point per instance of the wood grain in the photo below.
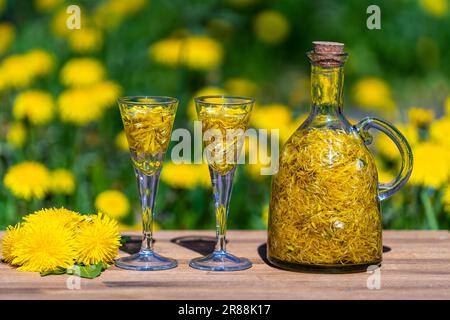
(416, 267)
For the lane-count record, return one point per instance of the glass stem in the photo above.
(222, 185)
(148, 187)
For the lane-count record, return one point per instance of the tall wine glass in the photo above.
(224, 122)
(148, 123)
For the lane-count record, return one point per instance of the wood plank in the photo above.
(416, 267)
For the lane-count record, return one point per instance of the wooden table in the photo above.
(417, 266)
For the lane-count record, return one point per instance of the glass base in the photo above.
(220, 261)
(145, 261)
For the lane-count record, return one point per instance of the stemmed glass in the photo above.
(224, 122)
(148, 123)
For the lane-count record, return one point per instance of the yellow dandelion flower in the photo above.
(201, 53)
(373, 93)
(67, 218)
(62, 181)
(109, 14)
(78, 106)
(85, 40)
(185, 176)
(447, 105)
(241, 87)
(82, 72)
(27, 180)
(46, 5)
(166, 52)
(437, 8)
(45, 245)
(105, 93)
(11, 237)
(7, 36)
(255, 170)
(440, 130)
(13, 72)
(208, 91)
(273, 116)
(265, 215)
(431, 167)
(59, 22)
(97, 240)
(39, 62)
(121, 141)
(446, 199)
(16, 134)
(34, 105)
(386, 147)
(271, 27)
(112, 202)
(420, 117)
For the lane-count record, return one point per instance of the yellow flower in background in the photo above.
(254, 169)
(45, 245)
(201, 53)
(97, 240)
(62, 181)
(437, 8)
(431, 165)
(166, 52)
(273, 116)
(185, 176)
(440, 130)
(373, 94)
(265, 215)
(16, 134)
(446, 199)
(386, 147)
(27, 180)
(46, 5)
(208, 91)
(34, 105)
(241, 87)
(241, 3)
(39, 62)
(420, 117)
(82, 72)
(2, 5)
(85, 40)
(447, 105)
(105, 93)
(11, 237)
(271, 27)
(195, 52)
(58, 24)
(113, 203)
(111, 13)
(121, 141)
(7, 36)
(78, 106)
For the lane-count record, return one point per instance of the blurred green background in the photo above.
(62, 142)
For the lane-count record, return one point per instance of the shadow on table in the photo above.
(203, 245)
(131, 244)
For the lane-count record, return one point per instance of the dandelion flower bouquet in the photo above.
(56, 241)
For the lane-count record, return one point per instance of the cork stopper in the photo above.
(327, 54)
(327, 47)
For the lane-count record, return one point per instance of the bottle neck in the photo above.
(327, 84)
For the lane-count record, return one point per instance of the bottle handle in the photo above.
(388, 189)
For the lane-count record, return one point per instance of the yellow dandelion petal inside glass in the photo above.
(7, 36)
(82, 72)
(45, 245)
(34, 105)
(112, 202)
(85, 40)
(271, 27)
(16, 135)
(201, 53)
(27, 180)
(10, 239)
(208, 91)
(98, 240)
(431, 167)
(78, 106)
(62, 181)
